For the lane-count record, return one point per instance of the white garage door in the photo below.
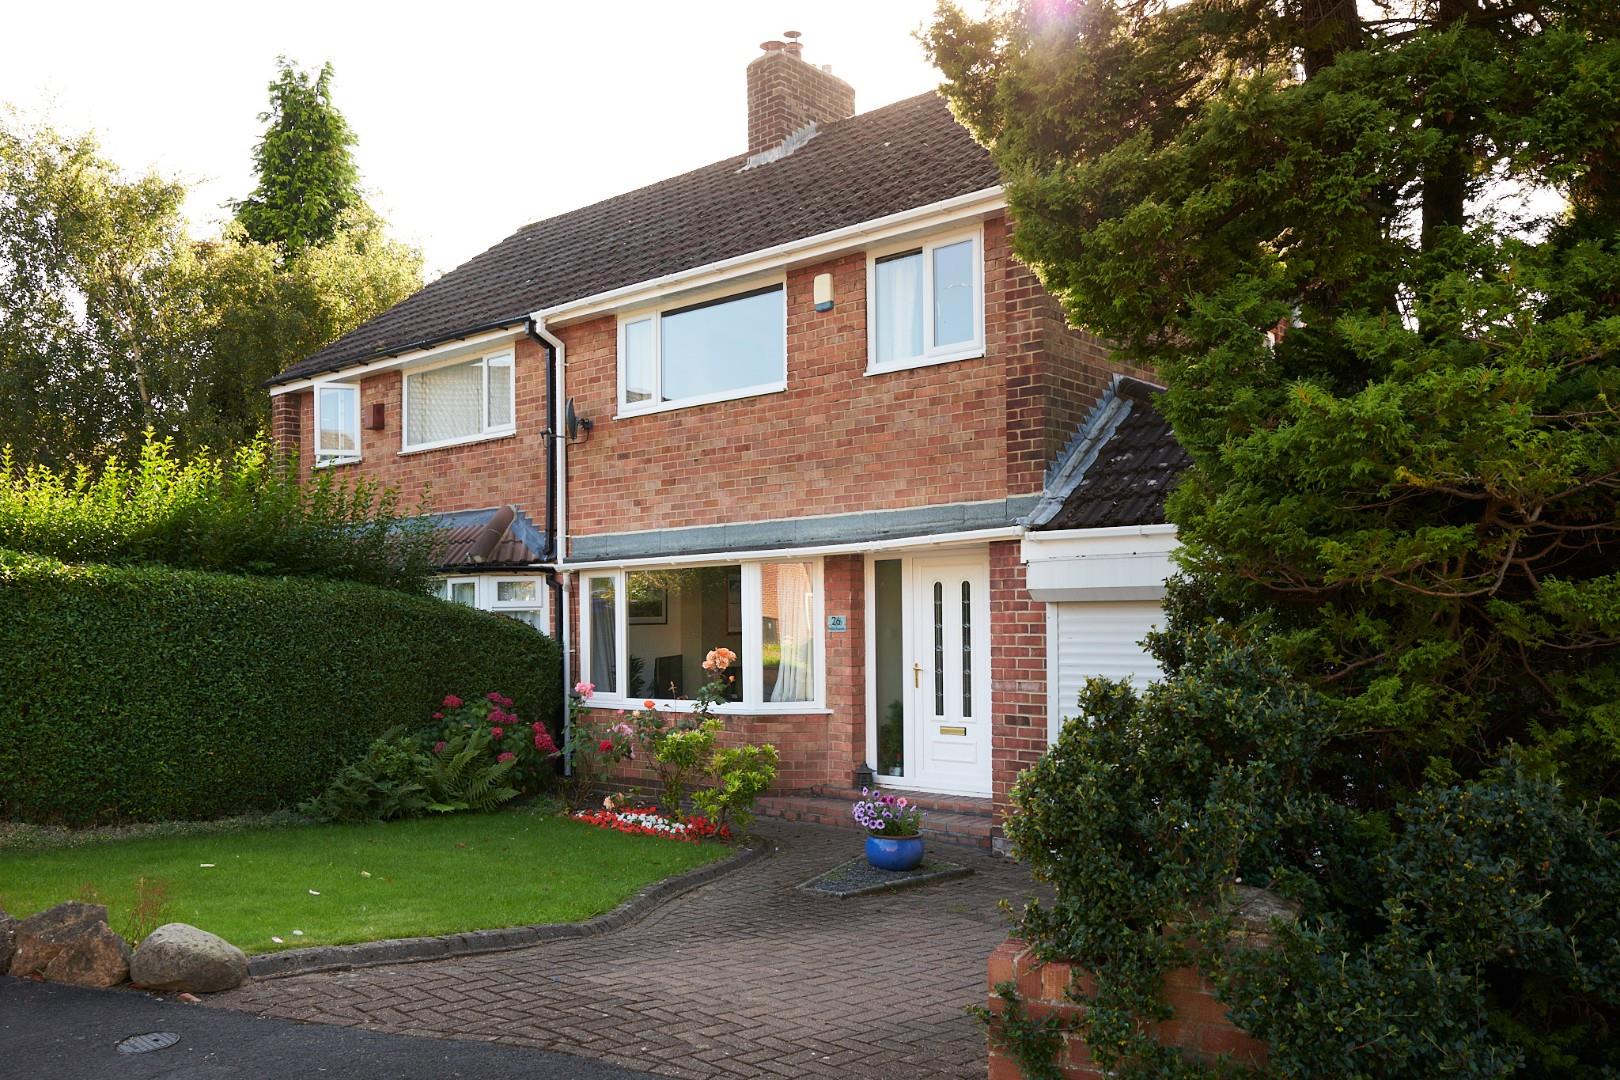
(1085, 640)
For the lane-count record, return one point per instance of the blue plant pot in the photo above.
(894, 852)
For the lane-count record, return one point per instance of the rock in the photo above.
(98, 958)
(8, 939)
(39, 938)
(180, 957)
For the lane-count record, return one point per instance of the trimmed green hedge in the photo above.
(147, 693)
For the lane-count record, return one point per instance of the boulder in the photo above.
(8, 939)
(39, 938)
(98, 957)
(180, 957)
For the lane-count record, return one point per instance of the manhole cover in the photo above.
(152, 1040)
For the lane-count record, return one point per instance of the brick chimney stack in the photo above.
(785, 94)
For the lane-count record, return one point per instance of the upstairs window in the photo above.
(337, 423)
(462, 401)
(730, 347)
(926, 304)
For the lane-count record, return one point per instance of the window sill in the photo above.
(606, 702)
(328, 463)
(465, 440)
(627, 412)
(974, 352)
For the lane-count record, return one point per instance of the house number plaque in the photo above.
(835, 624)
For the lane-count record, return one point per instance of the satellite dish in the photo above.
(574, 423)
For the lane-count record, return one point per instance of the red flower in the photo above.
(538, 726)
(451, 701)
(496, 732)
(438, 747)
(438, 716)
(493, 696)
(605, 745)
(543, 743)
(508, 756)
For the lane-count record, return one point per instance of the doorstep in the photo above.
(952, 819)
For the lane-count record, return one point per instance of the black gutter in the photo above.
(552, 547)
(424, 343)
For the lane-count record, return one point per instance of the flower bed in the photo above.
(640, 822)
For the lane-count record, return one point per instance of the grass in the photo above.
(340, 884)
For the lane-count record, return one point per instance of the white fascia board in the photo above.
(1125, 563)
(794, 252)
(414, 356)
(976, 536)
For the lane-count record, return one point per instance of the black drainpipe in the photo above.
(552, 547)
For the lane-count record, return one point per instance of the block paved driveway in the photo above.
(743, 977)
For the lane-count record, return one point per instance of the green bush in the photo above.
(145, 693)
(245, 513)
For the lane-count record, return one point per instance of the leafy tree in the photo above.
(307, 176)
(1404, 496)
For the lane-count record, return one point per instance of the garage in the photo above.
(1089, 639)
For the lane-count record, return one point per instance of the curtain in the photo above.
(604, 633)
(795, 676)
(899, 308)
(445, 403)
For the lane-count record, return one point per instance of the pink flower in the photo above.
(451, 701)
(585, 689)
(496, 732)
(543, 743)
(537, 726)
(718, 659)
(508, 756)
(438, 747)
(438, 716)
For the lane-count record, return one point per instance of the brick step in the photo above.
(973, 828)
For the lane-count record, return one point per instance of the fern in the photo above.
(463, 775)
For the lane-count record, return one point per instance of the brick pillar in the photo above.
(1200, 1026)
(844, 593)
(1017, 673)
(285, 421)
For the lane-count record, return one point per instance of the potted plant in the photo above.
(893, 830)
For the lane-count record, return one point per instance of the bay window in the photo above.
(459, 401)
(337, 423)
(729, 347)
(663, 623)
(925, 304)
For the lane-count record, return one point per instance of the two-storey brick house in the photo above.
(802, 403)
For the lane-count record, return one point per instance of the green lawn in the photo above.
(347, 883)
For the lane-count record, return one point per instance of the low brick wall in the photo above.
(1200, 1025)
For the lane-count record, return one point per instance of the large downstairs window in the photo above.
(520, 598)
(663, 622)
(925, 303)
(729, 347)
(459, 401)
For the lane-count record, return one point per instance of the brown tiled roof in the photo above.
(460, 534)
(896, 158)
(1134, 459)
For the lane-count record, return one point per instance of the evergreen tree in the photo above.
(307, 176)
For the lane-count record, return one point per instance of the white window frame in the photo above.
(487, 432)
(656, 313)
(931, 354)
(487, 593)
(752, 703)
(323, 458)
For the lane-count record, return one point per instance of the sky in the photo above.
(473, 118)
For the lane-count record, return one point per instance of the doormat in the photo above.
(858, 877)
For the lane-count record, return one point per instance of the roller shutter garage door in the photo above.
(1092, 639)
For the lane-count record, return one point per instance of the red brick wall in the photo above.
(511, 469)
(836, 440)
(1017, 673)
(1200, 1026)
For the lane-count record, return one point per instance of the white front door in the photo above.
(949, 702)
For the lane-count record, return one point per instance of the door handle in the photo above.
(916, 676)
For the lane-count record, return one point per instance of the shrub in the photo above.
(741, 775)
(1468, 929)
(242, 513)
(148, 693)
(527, 745)
(385, 785)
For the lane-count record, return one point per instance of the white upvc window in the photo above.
(519, 597)
(726, 345)
(337, 423)
(644, 634)
(925, 302)
(458, 401)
